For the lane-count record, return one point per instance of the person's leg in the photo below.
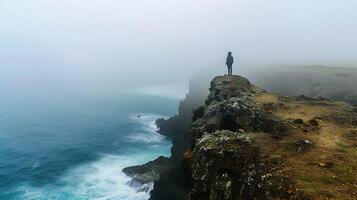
(230, 70)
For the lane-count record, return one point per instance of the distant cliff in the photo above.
(246, 143)
(337, 83)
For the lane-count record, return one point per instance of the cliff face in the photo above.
(173, 183)
(173, 177)
(226, 162)
(178, 126)
(246, 143)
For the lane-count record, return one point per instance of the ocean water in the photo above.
(76, 148)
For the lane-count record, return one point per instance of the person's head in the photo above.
(229, 53)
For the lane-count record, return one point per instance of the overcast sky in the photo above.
(102, 43)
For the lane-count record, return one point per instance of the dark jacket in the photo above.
(229, 61)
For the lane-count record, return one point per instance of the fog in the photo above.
(101, 46)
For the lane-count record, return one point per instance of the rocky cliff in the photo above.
(246, 143)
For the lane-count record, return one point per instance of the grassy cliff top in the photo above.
(306, 147)
(327, 168)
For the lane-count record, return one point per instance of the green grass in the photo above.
(340, 170)
(276, 158)
(343, 146)
(327, 179)
(306, 178)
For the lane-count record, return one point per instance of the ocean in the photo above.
(75, 148)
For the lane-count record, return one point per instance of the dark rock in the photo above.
(221, 161)
(141, 187)
(198, 113)
(236, 113)
(147, 177)
(172, 185)
(227, 165)
(298, 121)
(148, 172)
(304, 98)
(167, 126)
(313, 122)
(225, 87)
(302, 146)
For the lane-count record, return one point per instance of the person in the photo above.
(229, 63)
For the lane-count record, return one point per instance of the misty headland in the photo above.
(126, 100)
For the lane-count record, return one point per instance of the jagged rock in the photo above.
(141, 187)
(167, 127)
(245, 146)
(147, 177)
(227, 165)
(234, 152)
(223, 163)
(232, 113)
(219, 164)
(148, 172)
(225, 87)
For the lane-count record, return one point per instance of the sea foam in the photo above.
(103, 179)
(148, 130)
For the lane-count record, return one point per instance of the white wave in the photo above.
(100, 180)
(148, 129)
(104, 179)
(172, 91)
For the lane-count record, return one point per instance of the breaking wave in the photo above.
(103, 179)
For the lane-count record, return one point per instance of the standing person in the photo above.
(229, 63)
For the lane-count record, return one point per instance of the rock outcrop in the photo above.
(226, 162)
(246, 143)
(143, 176)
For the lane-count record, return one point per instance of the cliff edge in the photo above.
(246, 143)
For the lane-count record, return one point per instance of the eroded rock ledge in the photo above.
(246, 143)
(226, 162)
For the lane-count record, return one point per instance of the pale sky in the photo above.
(106, 43)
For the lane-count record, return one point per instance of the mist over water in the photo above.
(76, 149)
(99, 46)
